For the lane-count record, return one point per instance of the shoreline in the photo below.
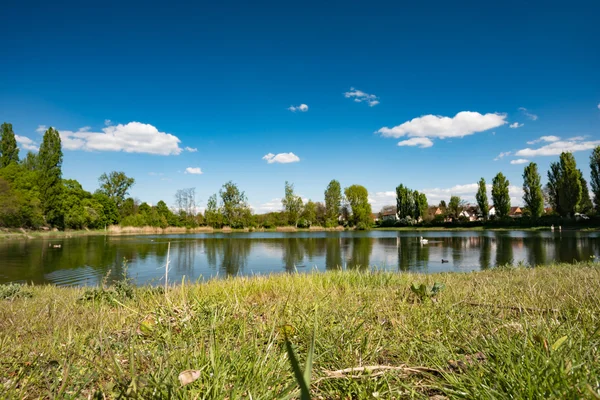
(24, 234)
(530, 323)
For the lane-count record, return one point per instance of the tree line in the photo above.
(34, 194)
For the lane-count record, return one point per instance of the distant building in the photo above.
(389, 213)
(515, 212)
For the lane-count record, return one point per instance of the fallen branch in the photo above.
(515, 308)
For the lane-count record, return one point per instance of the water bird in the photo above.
(560, 228)
(552, 228)
(444, 261)
(57, 246)
(424, 241)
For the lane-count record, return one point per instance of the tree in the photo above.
(236, 212)
(9, 152)
(482, 199)
(185, 200)
(405, 202)
(30, 162)
(532, 189)
(309, 214)
(420, 204)
(321, 214)
(500, 195)
(442, 205)
(585, 204)
(212, 215)
(333, 203)
(358, 198)
(455, 207)
(292, 204)
(595, 182)
(553, 187)
(569, 192)
(50, 177)
(116, 186)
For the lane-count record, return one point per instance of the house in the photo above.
(388, 213)
(515, 212)
(492, 211)
(470, 212)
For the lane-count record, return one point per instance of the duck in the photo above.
(424, 241)
(444, 261)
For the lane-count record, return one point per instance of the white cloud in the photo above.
(107, 122)
(41, 129)
(598, 106)
(190, 149)
(519, 161)
(515, 125)
(359, 97)
(26, 143)
(281, 158)
(502, 155)
(134, 137)
(528, 114)
(435, 126)
(301, 107)
(550, 139)
(467, 192)
(422, 142)
(382, 199)
(557, 147)
(193, 170)
(270, 206)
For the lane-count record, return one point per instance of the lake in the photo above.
(87, 260)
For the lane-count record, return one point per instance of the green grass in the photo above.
(504, 333)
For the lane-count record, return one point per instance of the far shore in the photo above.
(26, 234)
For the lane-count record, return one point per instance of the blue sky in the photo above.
(339, 85)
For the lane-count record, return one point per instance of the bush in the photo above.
(361, 226)
(303, 223)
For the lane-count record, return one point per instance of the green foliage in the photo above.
(235, 210)
(405, 202)
(423, 292)
(420, 200)
(50, 177)
(358, 198)
(569, 192)
(121, 289)
(115, 185)
(292, 204)
(13, 291)
(212, 215)
(482, 199)
(585, 205)
(309, 214)
(9, 152)
(455, 207)
(333, 203)
(532, 189)
(595, 181)
(500, 195)
(553, 187)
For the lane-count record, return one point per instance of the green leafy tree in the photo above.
(553, 187)
(482, 199)
(358, 199)
(109, 213)
(30, 162)
(212, 214)
(292, 204)
(50, 177)
(595, 182)
(569, 192)
(455, 207)
(405, 202)
(9, 152)
(309, 214)
(500, 195)
(420, 203)
(116, 185)
(585, 204)
(333, 203)
(236, 212)
(532, 190)
(321, 214)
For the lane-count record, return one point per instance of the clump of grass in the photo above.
(121, 289)
(518, 333)
(12, 291)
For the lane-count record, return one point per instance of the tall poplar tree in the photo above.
(569, 192)
(553, 187)
(333, 203)
(595, 182)
(532, 189)
(500, 195)
(9, 152)
(50, 177)
(482, 199)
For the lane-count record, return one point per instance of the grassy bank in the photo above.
(506, 333)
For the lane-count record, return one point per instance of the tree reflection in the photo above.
(485, 252)
(333, 255)
(361, 253)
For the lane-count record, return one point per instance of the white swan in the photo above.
(424, 241)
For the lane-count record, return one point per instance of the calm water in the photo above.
(87, 260)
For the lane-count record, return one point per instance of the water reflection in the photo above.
(87, 260)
